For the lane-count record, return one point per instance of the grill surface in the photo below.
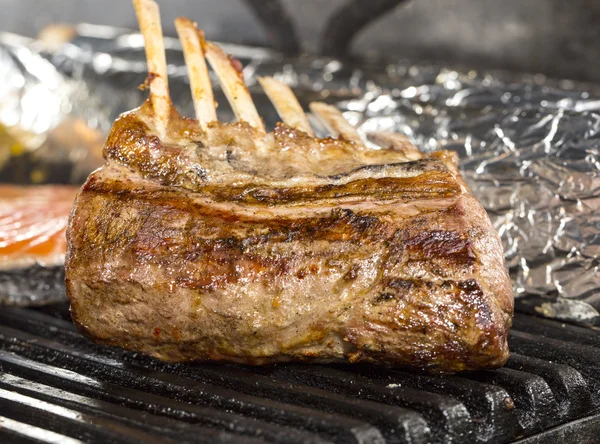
(56, 386)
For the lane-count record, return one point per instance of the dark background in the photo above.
(560, 38)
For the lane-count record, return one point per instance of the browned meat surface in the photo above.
(200, 240)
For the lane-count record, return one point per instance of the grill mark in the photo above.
(431, 244)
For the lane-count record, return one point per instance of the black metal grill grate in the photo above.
(55, 386)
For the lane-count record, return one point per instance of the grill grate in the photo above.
(56, 386)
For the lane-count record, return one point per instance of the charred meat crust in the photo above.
(348, 284)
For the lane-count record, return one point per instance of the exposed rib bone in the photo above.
(233, 86)
(397, 142)
(335, 122)
(192, 40)
(149, 19)
(286, 104)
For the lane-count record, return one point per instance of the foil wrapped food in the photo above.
(529, 146)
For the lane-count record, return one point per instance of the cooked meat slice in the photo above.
(215, 241)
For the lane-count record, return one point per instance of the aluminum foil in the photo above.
(529, 146)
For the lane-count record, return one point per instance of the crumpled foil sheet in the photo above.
(529, 146)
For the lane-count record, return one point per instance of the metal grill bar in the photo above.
(448, 418)
(568, 386)
(583, 358)
(15, 432)
(54, 379)
(531, 394)
(66, 421)
(117, 372)
(487, 404)
(104, 396)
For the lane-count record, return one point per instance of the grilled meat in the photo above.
(200, 240)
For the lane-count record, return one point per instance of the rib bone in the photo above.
(149, 19)
(192, 40)
(234, 87)
(335, 122)
(286, 104)
(397, 142)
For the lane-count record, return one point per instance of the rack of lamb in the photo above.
(212, 241)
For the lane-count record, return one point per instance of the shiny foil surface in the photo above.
(529, 146)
